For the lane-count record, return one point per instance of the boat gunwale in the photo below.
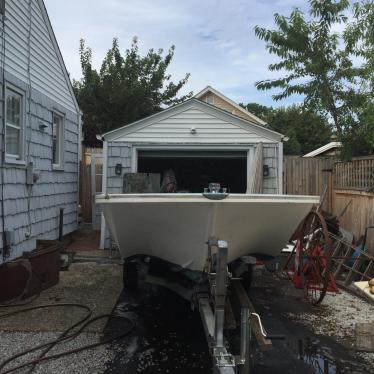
(199, 198)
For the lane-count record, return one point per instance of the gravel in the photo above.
(91, 362)
(337, 316)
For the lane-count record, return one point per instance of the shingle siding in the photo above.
(36, 208)
(22, 37)
(119, 153)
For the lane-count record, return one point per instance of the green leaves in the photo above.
(333, 71)
(127, 87)
(305, 129)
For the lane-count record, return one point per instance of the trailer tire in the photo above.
(130, 275)
(247, 278)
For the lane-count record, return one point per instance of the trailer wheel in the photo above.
(247, 277)
(130, 275)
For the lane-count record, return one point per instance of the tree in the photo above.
(320, 64)
(359, 140)
(304, 129)
(127, 88)
(261, 111)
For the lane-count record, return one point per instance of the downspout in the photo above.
(28, 123)
(104, 190)
(79, 156)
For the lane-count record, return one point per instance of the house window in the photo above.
(14, 122)
(57, 140)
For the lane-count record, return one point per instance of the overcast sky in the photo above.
(214, 40)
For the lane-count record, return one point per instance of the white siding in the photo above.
(46, 72)
(209, 129)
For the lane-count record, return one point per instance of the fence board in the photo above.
(85, 191)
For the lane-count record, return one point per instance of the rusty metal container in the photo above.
(14, 278)
(45, 264)
(32, 273)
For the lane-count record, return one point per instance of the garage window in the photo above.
(194, 170)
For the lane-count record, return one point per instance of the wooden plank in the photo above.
(245, 302)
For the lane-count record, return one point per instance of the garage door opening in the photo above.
(195, 170)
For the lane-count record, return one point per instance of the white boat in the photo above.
(176, 227)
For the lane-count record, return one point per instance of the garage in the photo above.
(201, 140)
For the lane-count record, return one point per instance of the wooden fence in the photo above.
(308, 176)
(358, 212)
(85, 184)
(350, 189)
(85, 191)
(357, 174)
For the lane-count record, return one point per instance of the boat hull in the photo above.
(176, 227)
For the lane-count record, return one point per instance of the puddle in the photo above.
(321, 359)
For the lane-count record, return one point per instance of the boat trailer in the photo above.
(213, 304)
(216, 298)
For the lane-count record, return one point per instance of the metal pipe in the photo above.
(61, 225)
(220, 292)
(244, 336)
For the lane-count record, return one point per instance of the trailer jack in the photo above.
(212, 304)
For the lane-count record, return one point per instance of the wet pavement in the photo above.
(169, 338)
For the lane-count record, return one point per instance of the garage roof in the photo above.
(193, 121)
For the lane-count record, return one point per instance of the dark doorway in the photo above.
(195, 170)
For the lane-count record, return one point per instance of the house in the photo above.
(40, 132)
(207, 138)
(331, 149)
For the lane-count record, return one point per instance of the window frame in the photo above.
(61, 140)
(9, 157)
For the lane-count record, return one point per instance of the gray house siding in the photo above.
(35, 209)
(118, 152)
(32, 63)
(27, 30)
